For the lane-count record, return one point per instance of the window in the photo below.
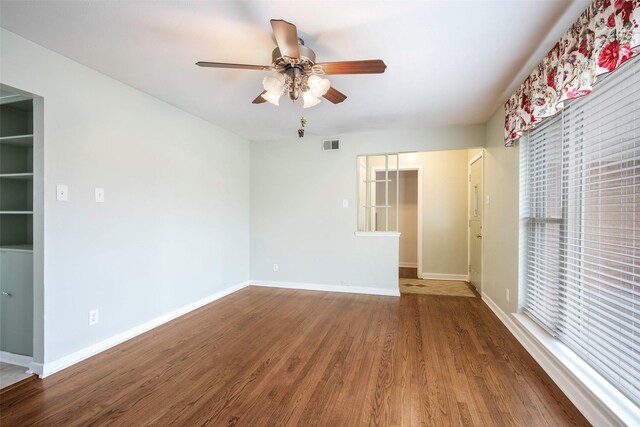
(378, 192)
(580, 223)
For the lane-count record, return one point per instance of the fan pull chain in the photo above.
(303, 122)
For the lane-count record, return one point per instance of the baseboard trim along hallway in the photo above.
(440, 276)
(395, 292)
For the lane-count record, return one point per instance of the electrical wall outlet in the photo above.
(100, 195)
(275, 267)
(62, 192)
(93, 317)
(508, 296)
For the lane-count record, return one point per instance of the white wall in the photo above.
(500, 233)
(444, 211)
(175, 224)
(407, 217)
(297, 219)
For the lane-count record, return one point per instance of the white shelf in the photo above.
(27, 176)
(22, 140)
(10, 98)
(16, 212)
(17, 248)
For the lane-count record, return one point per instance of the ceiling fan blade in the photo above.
(287, 38)
(372, 66)
(236, 66)
(334, 96)
(259, 99)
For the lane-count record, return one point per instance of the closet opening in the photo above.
(21, 235)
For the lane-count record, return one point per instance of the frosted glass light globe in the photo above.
(318, 86)
(309, 100)
(273, 85)
(270, 97)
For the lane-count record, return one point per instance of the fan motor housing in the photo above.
(295, 75)
(306, 54)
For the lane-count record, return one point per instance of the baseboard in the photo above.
(440, 276)
(408, 265)
(36, 368)
(16, 359)
(80, 355)
(327, 288)
(593, 408)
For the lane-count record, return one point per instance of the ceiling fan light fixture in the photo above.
(271, 98)
(318, 86)
(309, 100)
(295, 70)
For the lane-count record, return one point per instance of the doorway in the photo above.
(475, 221)
(408, 223)
(443, 226)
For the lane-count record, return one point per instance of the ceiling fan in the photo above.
(297, 72)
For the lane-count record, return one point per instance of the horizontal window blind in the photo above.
(580, 208)
(542, 158)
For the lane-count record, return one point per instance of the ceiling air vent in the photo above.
(330, 144)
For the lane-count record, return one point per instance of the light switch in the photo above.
(62, 192)
(100, 195)
(345, 203)
(488, 200)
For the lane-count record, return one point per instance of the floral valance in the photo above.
(606, 35)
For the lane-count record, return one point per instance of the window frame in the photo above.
(365, 224)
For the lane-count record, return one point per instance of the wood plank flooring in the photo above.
(451, 288)
(266, 356)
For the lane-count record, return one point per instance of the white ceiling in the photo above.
(449, 62)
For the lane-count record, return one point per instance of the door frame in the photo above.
(478, 157)
(403, 168)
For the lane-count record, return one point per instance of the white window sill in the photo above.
(618, 406)
(377, 234)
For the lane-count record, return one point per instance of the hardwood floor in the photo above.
(451, 288)
(266, 356)
(407, 273)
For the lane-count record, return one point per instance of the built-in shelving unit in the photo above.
(16, 173)
(17, 248)
(21, 220)
(16, 212)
